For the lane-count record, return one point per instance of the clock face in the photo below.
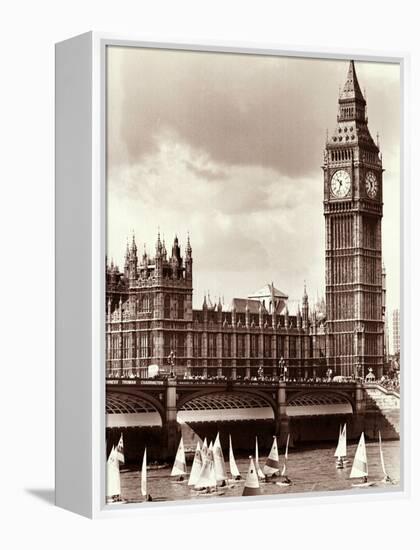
(371, 185)
(340, 184)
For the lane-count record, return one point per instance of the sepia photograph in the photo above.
(252, 275)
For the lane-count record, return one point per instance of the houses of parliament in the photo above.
(150, 319)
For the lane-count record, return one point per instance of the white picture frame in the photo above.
(80, 285)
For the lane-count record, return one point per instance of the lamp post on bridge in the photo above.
(171, 362)
(283, 369)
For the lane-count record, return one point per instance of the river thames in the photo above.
(310, 469)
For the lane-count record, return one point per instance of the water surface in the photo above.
(310, 469)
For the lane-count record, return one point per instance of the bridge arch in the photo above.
(316, 403)
(230, 405)
(127, 409)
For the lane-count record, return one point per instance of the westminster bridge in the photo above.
(308, 410)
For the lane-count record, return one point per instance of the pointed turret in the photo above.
(351, 89)
(158, 258)
(158, 246)
(176, 251)
(188, 259)
(188, 249)
(305, 308)
(351, 129)
(352, 104)
(132, 261)
(133, 245)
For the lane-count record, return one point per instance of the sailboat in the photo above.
(341, 449)
(204, 448)
(196, 466)
(260, 473)
(180, 465)
(113, 478)
(360, 465)
(219, 462)
(272, 464)
(285, 481)
(387, 479)
(234, 472)
(252, 484)
(206, 483)
(143, 478)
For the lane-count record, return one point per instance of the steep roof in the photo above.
(268, 291)
(351, 88)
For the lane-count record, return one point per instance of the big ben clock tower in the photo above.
(353, 213)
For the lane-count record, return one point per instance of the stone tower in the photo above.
(353, 213)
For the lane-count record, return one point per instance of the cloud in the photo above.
(229, 148)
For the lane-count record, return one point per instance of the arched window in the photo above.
(145, 303)
(167, 307)
(180, 304)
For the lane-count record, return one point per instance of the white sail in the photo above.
(207, 477)
(180, 464)
(213, 477)
(382, 456)
(143, 481)
(286, 454)
(272, 464)
(234, 472)
(113, 479)
(360, 466)
(204, 449)
(252, 485)
(120, 449)
(196, 466)
(341, 450)
(219, 461)
(257, 465)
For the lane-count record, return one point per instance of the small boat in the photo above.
(180, 465)
(272, 464)
(341, 449)
(113, 479)
(285, 482)
(360, 465)
(206, 483)
(252, 484)
(196, 466)
(260, 473)
(143, 479)
(386, 479)
(219, 462)
(234, 472)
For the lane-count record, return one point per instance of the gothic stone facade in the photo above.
(353, 215)
(150, 315)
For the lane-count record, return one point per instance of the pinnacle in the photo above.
(351, 89)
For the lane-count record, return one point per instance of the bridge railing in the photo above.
(223, 381)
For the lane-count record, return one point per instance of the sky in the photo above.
(229, 148)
